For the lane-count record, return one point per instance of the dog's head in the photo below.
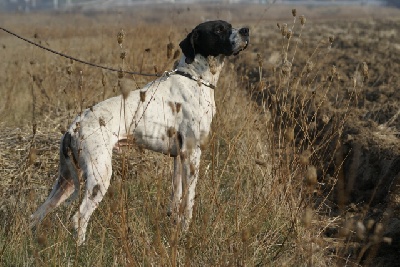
(214, 38)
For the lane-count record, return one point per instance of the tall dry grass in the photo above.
(265, 195)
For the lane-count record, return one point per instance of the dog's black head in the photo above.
(214, 38)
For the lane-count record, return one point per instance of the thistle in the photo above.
(120, 37)
(302, 20)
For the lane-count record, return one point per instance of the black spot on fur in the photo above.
(95, 190)
(66, 144)
(180, 139)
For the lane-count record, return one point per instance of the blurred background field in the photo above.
(303, 166)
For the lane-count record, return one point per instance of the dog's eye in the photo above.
(219, 30)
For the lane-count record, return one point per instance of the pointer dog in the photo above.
(171, 115)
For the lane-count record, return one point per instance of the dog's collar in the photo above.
(194, 78)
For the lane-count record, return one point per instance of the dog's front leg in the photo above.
(190, 170)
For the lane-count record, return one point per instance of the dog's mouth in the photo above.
(242, 47)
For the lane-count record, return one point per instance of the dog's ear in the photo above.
(187, 46)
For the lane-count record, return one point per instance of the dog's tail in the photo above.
(66, 186)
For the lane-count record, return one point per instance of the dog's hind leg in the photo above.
(98, 171)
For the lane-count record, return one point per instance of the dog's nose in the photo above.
(244, 31)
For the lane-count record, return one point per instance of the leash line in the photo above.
(167, 74)
(79, 60)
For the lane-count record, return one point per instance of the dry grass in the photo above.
(266, 191)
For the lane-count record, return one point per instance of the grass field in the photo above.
(302, 168)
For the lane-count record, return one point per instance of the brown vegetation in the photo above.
(302, 167)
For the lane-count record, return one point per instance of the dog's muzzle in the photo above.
(244, 35)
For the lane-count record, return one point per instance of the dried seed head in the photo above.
(284, 29)
(331, 39)
(311, 176)
(261, 86)
(278, 25)
(170, 47)
(245, 235)
(377, 235)
(124, 88)
(176, 54)
(289, 134)
(261, 162)
(387, 240)
(378, 228)
(142, 96)
(260, 60)
(294, 12)
(122, 55)
(69, 69)
(284, 56)
(42, 240)
(333, 70)
(365, 70)
(370, 224)
(304, 158)
(325, 119)
(312, 126)
(309, 66)
(121, 37)
(273, 98)
(302, 20)
(295, 84)
(360, 230)
(204, 139)
(120, 73)
(289, 34)
(346, 228)
(63, 130)
(286, 67)
(307, 217)
(32, 156)
(103, 80)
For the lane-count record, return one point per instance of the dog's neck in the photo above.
(206, 69)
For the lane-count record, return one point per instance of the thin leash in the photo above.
(265, 11)
(79, 60)
(165, 74)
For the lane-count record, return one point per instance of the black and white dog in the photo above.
(171, 115)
